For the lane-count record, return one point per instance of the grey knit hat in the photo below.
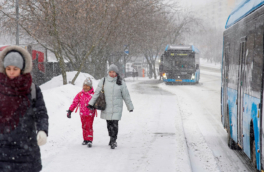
(88, 82)
(113, 67)
(27, 58)
(14, 59)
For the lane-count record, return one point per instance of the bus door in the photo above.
(240, 91)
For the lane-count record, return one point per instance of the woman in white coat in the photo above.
(116, 91)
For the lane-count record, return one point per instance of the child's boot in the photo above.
(84, 142)
(89, 144)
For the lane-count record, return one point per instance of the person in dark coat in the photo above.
(23, 122)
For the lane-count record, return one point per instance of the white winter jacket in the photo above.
(114, 96)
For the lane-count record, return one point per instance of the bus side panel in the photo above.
(262, 134)
(251, 112)
(222, 108)
(222, 96)
(197, 72)
(258, 58)
(232, 97)
(197, 75)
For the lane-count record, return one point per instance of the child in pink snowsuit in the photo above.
(87, 116)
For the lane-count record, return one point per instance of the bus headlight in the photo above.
(193, 77)
(164, 75)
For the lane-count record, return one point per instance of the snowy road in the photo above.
(199, 107)
(173, 128)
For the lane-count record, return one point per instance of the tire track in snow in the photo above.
(169, 135)
(204, 102)
(201, 157)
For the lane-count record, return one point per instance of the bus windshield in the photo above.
(178, 61)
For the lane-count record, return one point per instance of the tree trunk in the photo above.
(154, 71)
(81, 65)
(150, 70)
(63, 70)
(124, 66)
(100, 69)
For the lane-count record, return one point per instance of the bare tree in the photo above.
(85, 33)
(172, 26)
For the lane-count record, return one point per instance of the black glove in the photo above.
(131, 111)
(90, 107)
(69, 113)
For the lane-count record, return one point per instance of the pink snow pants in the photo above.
(87, 127)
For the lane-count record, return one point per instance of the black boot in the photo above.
(112, 126)
(113, 143)
(112, 146)
(89, 144)
(84, 142)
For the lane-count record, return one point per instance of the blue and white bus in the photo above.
(242, 80)
(180, 64)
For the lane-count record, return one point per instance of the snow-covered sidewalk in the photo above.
(150, 139)
(173, 128)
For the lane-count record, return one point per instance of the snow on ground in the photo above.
(58, 98)
(57, 81)
(150, 138)
(212, 73)
(210, 68)
(173, 128)
(205, 63)
(206, 139)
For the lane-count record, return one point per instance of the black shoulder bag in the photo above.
(100, 103)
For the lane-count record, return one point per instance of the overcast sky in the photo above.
(193, 2)
(187, 3)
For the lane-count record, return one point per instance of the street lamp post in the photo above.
(125, 56)
(17, 26)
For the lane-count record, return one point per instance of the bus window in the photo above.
(257, 61)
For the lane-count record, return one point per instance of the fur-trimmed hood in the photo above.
(25, 54)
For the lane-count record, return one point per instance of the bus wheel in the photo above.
(253, 149)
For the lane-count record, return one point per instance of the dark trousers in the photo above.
(112, 126)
